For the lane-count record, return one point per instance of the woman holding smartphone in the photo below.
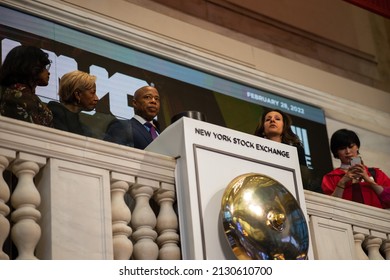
(353, 180)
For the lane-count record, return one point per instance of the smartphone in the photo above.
(356, 160)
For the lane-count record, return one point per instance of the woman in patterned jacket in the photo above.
(25, 68)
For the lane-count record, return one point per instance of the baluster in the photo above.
(386, 248)
(25, 199)
(143, 222)
(4, 197)
(372, 245)
(360, 254)
(121, 216)
(167, 225)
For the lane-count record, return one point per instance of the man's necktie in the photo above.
(152, 130)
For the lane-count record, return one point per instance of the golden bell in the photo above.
(262, 220)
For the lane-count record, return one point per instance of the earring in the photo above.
(77, 97)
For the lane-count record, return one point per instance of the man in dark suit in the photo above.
(137, 132)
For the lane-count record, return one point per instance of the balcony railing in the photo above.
(83, 198)
(342, 229)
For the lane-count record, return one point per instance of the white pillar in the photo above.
(5, 157)
(121, 216)
(143, 220)
(372, 245)
(167, 224)
(360, 254)
(386, 248)
(25, 199)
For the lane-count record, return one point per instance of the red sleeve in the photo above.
(329, 183)
(381, 178)
(384, 181)
(385, 197)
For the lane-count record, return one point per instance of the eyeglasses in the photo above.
(47, 66)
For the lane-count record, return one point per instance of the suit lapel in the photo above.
(141, 130)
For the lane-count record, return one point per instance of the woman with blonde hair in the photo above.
(77, 92)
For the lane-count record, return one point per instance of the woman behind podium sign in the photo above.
(353, 180)
(276, 126)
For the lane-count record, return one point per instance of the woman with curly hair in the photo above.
(23, 69)
(276, 126)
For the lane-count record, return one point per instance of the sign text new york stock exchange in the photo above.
(241, 142)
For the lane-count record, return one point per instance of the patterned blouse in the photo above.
(20, 102)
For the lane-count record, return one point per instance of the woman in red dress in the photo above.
(353, 181)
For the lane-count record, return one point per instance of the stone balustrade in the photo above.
(83, 198)
(342, 229)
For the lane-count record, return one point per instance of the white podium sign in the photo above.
(209, 157)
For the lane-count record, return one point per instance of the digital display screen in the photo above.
(120, 70)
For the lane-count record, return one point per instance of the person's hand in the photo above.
(350, 174)
(361, 172)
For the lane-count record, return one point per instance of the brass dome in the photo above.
(262, 220)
